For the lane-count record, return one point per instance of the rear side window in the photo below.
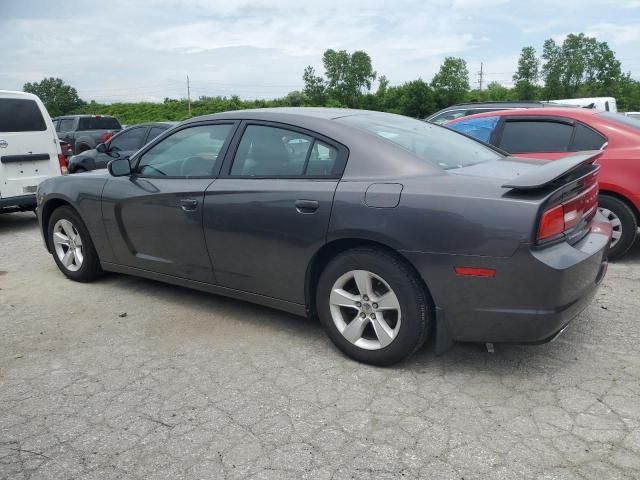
(478, 128)
(20, 115)
(98, 123)
(154, 132)
(271, 152)
(535, 136)
(587, 139)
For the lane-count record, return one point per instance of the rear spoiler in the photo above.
(553, 170)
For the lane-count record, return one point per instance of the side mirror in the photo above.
(120, 167)
(102, 148)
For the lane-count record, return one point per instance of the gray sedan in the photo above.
(388, 229)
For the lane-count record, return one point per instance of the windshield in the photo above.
(439, 146)
(620, 119)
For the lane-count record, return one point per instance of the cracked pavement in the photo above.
(189, 385)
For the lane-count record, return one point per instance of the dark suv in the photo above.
(463, 109)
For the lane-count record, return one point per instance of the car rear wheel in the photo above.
(73, 250)
(373, 306)
(623, 221)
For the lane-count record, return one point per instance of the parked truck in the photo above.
(84, 132)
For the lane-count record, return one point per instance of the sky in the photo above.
(122, 50)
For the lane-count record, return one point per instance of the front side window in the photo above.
(20, 115)
(436, 145)
(478, 128)
(271, 152)
(130, 139)
(531, 136)
(191, 152)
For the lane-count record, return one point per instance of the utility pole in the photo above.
(189, 94)
(481, 75)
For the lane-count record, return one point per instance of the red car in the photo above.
(549, 133)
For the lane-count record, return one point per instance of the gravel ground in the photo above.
(190, 385)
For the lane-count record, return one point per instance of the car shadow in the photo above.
(17, 222)
(461, 357)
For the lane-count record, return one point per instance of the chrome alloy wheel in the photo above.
(68, 245)
(616, 224)
(365, 309)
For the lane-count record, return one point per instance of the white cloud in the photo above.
(259, 48)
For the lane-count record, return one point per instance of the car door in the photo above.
(64, 127)
(154, 216)
(268, 212)
(124, 144)
(535, 136)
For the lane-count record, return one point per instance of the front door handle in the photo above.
(307, 206)
(188, 204)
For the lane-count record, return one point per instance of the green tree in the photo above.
(349, 75)
(295, 98)
(580, 66)
(314, 87)
(526, 76)
(57, 96)
(451, 83)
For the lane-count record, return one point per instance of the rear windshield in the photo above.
(439, 146)
(621, 119)
(20, 115)
(98, 123)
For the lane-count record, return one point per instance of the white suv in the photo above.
(29, 150)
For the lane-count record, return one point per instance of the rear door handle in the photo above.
(188, 204)
(307, 206)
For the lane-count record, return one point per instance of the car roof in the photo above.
(284, 112)
(83, 115)
(17, 94)
(576, 113)
(505, 103)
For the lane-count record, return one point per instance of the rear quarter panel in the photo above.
(443, 214)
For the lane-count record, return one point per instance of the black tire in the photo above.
(90, 268)
(415, 305)
(628, 220)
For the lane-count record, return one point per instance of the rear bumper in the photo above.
(24, 201)
(532, 297)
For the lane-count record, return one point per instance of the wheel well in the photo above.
(47, 210)
(330, 250)
(623, 199)
(82, 147)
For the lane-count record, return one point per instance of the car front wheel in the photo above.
(373, 306)
(623, 222)
(72, 248)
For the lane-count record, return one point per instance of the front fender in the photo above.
(82, 193)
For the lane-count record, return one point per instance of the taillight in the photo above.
(551, 223)
(63, 164)
(106, 136)
(562, 218)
